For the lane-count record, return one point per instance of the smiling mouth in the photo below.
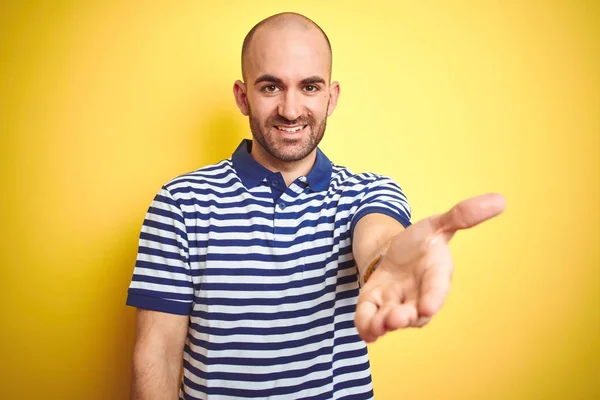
(290, 129)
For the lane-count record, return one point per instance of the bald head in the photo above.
(278, 25)
(287, 92)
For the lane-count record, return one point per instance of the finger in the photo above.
(390, 297)
(365, 311)
(402, 316)
(378, 323)
(421, 322)
(399, 308)
(435, 286)
(470, 212)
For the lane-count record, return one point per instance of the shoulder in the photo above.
(210, 177)
(343, 177)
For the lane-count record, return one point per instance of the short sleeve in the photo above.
(383, 196)
(162, 279)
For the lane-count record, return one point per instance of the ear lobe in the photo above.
(241, 97)
(334, 94)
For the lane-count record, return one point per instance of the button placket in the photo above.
(281, 207)
(277, 217)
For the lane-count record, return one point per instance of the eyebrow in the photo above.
(273, 79)
(268, 78)
(312, 80)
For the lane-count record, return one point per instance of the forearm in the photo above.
(155, 377)
(372, 255)
(372, 237)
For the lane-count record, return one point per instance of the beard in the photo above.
(285, 149)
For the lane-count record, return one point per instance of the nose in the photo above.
(290, 107)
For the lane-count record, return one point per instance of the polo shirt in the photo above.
(266, 275)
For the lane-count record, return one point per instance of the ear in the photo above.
(241, 98)
(334, 94)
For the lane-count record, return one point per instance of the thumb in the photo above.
(469, 212)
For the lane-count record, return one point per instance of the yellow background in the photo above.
(103, 102)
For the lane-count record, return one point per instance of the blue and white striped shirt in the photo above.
(266, 274)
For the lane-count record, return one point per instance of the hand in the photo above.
(411, 283)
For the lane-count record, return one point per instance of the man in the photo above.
(267, 272)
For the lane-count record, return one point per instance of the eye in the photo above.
(270, 89)
(311, 88)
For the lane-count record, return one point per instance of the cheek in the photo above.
(263, 109)
(318, 107)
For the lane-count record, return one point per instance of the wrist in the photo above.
(371, 268)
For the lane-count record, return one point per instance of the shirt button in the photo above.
(282, 205)
(274, 182)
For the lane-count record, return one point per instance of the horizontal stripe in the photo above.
(162, 305)
(258, 394)
(271, 301)
(255, 376)
(268, 361)
(271, 292)
(153, 293)
(268, 286)
(257, 354)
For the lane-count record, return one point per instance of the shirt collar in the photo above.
(252, 173)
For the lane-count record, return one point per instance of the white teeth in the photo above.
(291, 130)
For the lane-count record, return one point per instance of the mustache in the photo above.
(284, 121)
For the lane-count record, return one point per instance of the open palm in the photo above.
(414, 278)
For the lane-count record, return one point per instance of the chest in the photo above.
(266, 250)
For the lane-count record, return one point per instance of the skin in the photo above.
(157, 355)
(287, 69)
(414, 278)
(412, 282)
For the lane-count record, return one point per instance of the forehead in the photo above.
(289, 53)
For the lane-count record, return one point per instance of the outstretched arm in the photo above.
(413, 279)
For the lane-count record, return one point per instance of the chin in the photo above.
(293, 153)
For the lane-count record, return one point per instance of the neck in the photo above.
(290, 170)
